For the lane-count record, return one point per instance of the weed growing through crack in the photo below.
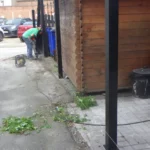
(85, 102)
(61, 115)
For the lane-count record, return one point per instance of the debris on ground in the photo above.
(23, 125)
(61, 115)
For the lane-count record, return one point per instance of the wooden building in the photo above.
(82, 24)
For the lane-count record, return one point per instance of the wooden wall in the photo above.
(70, 36)
(134, 41)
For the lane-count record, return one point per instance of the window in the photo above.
(13, 22)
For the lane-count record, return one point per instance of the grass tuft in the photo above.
(85, 102)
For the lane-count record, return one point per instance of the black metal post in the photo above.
(52, 17)
(46, 20)
(33, 18)
(42, 13)
(58, 38)
(44, 34)
(39, 14)
(111, 8)
(51, 20)
(42, 25)
(49, 24)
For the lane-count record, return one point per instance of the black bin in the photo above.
(141, 82)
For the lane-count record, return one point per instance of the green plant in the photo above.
(21, 125)
(62, 116)
(85, 102)
(18, 125)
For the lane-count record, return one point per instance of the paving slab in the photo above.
(130, 137)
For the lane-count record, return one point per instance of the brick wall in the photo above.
(15, 12)
(32, 3)
(22, 9)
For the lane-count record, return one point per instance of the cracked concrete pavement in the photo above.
(22, 92)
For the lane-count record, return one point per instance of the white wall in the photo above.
(5, 2)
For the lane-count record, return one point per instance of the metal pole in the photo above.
(39, 14)
(33, 18)
(52, 17)
(44, 34)
(49, 24)
(46, 20)
(58, 38)
(51, 20)
(42, 24)
(111, 8)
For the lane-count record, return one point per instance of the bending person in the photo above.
(27, 39)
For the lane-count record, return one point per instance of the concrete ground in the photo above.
(26, 90)
(130, 137)
(11, 47)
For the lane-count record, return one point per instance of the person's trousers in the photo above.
(29, 47)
